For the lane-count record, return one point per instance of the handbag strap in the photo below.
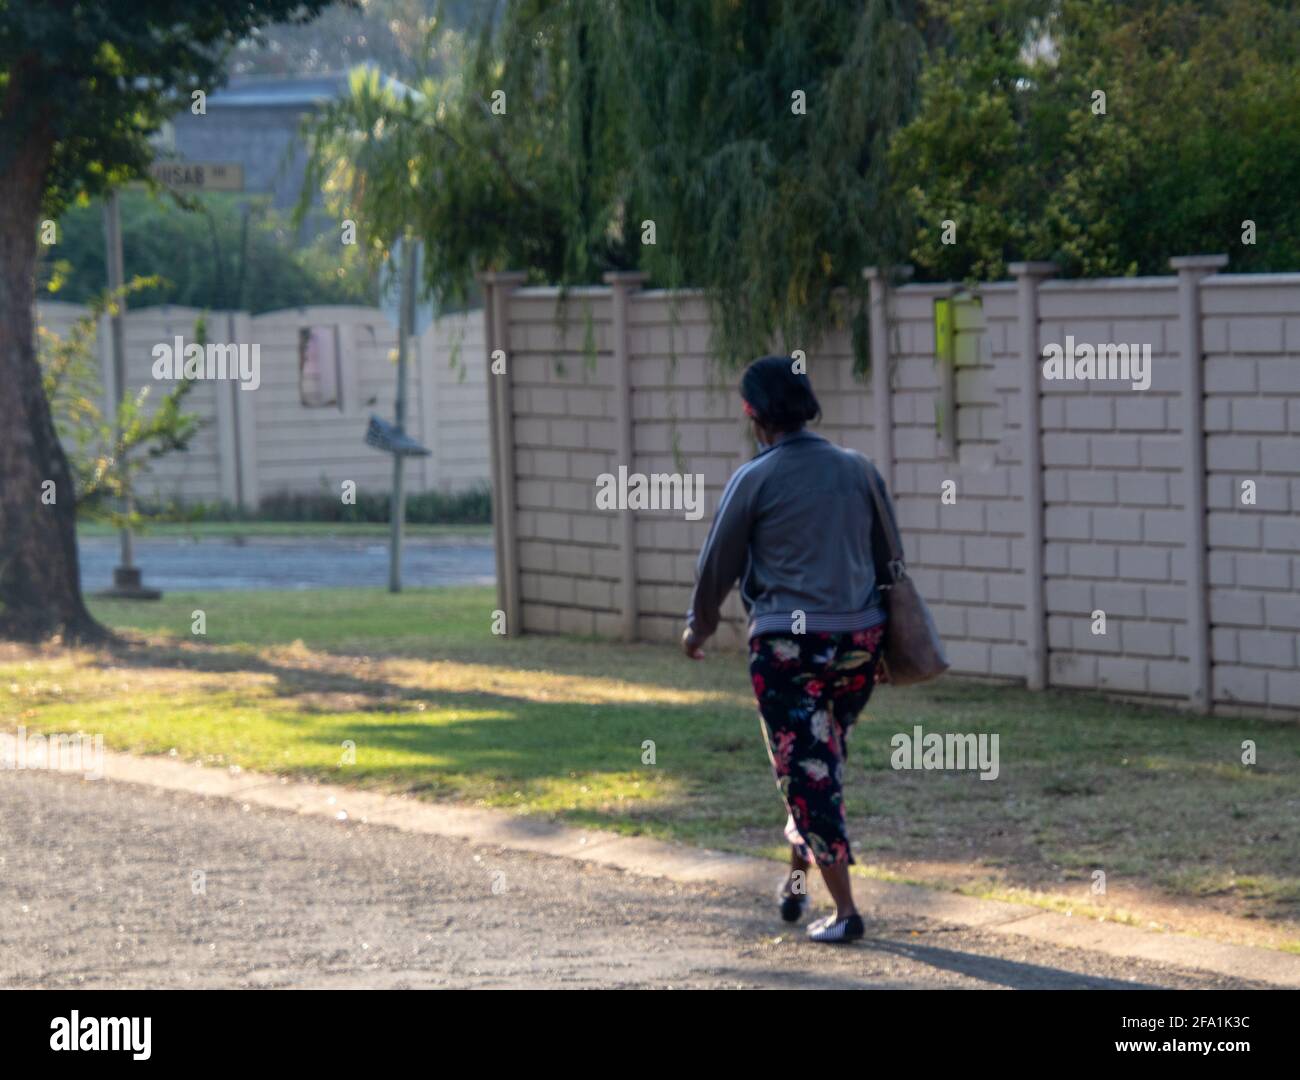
(897, 568)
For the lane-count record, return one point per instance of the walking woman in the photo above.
(796, 527)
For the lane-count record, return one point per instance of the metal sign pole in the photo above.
(405, 318)
(126, 577)
(117, 334)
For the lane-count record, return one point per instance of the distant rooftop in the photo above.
(292, 91)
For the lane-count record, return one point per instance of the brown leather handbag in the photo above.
(913, 651)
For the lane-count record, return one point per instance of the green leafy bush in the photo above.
(208, 257)
(1200, 134)
(470, 507)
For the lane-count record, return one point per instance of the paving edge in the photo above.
(680, 862)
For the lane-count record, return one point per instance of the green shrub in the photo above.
(470, 507)
(208, 257)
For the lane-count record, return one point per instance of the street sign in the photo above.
(390, 290)
(199, 176)
(392, 440)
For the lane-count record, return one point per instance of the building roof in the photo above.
(294, 91)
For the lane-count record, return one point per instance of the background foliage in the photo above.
(205, 257)
(621, 113)
(679, 113)
(975, 111)
(472, 506)
(1201, 132)
(106, 453)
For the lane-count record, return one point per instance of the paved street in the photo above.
(263, 563)
(97, 882)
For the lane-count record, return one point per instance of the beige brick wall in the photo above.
(455, 425)
(1114, 511)
(1252, 425)
(1113, 503)
(195, 475)
(298, 449)
(561, 378)
(962, 553)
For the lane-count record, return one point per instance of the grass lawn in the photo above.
(438, 705)
(213, 530)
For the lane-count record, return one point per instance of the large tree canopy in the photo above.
(1200, 134)
(82, 87)
(756, 140)
(746, 140)
(779, 146)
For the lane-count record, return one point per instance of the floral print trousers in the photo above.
(810, 689)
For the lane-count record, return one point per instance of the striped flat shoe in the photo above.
(829, 931)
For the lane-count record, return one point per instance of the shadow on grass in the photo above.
(1148, 795)
(507, 737)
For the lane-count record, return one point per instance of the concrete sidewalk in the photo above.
(686, 864)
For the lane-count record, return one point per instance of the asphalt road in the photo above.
(99, 887)
(264, 563)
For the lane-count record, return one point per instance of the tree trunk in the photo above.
(40, 576)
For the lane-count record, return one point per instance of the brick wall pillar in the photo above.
(1028, 275)
(497, 286)
(244, 413)
(1191, 269)
(882, 394)
(621, 284)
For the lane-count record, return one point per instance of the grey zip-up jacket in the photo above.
(797, 526)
